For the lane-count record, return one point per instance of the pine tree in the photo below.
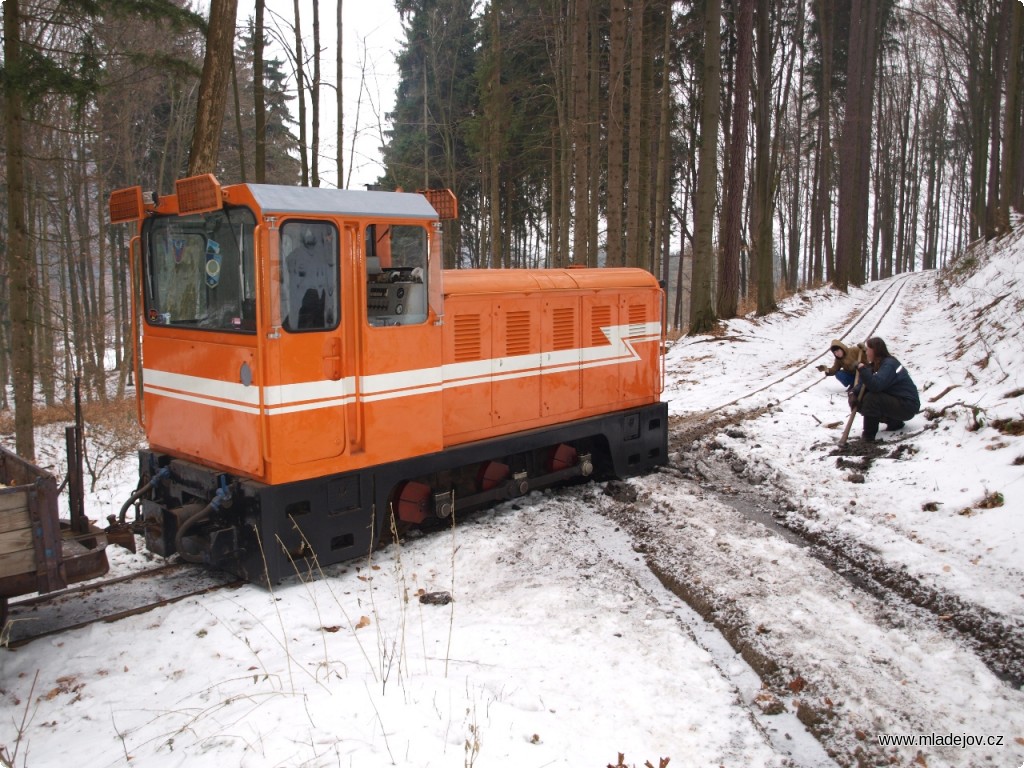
(434, 103)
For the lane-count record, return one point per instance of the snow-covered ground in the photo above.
(562, 647)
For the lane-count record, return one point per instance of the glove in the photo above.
(853, 398)
(822, 368)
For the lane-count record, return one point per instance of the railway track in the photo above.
(800, 376)
(803, 376)
(113, 599)
(108, 600)
(902, 601)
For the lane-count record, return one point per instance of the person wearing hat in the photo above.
(847, 359)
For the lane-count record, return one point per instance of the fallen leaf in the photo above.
(364, 621)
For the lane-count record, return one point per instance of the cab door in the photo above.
(306, 406)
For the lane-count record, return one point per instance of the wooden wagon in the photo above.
(38, 551)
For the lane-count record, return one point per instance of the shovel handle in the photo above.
(853, 413)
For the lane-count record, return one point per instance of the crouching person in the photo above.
(847, 359)
(890, 395)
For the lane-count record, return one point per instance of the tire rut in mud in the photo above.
(997, 640)
(685, 573)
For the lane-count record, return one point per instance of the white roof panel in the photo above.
(273, 198)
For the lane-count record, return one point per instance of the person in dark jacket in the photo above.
(890, 395)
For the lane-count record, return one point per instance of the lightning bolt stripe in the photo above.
(314, 395)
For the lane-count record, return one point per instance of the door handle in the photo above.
(332, 359)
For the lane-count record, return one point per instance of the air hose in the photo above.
(222, 497)
(142, 492)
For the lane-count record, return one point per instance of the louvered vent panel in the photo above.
(198, 194)
(602, 318)
(637, 319)
(126, 205)
(564, 330)
(517, 333)
(467, 338)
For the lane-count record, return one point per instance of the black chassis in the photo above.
(265, 533)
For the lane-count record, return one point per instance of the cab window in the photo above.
(309, 276)
(199, 271)
(396, 274)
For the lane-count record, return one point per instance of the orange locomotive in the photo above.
(308, 373)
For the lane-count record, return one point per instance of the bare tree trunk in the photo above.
(580, 156)
(932, 193)
(634, 239)
(661, 181)
(793, 275)
(259, 96)
(702, 311)
(980, 76)
(821, 204)
(19, 257)
(616, 130)
(551, 256)
(315, 98)
(1011, 118)
(340, 76)
(992, 227)
(37, 217)
(213, 87)
(300, 80)
(890, 117)
(1016, 193)
(865, 107)
(729, 262)
(494, 109)
(595, 112)
(763, 206)
(238, 121)
(562, 76)
(855, 148)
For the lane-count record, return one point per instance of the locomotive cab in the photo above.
(307, 371)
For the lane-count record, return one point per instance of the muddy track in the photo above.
(697, 457)
(108, 600)
(997, 640)
(685, 574)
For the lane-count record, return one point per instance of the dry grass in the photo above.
(115, 415)
(1013, 427)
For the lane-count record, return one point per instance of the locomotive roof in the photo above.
(490, 281)
(274, 198)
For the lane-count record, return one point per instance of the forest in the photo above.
(739, 150)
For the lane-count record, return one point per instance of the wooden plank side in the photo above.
(15, 518)
(42, 511)
(12, 498)
(12, 541)
(13, 563)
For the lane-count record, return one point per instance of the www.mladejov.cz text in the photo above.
(962, 740)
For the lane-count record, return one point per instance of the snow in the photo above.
(563, 647)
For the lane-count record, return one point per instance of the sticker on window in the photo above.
(212, 263)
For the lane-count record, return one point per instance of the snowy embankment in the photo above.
(562, 649)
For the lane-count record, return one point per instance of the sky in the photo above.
(563, 648)
(373, 34)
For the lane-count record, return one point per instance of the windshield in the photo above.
(199, 271)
